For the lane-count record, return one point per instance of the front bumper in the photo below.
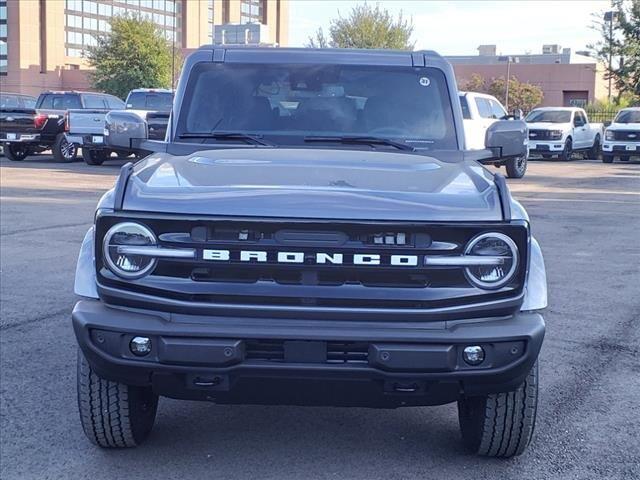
(547, 147)
(284, 361)
(622, 148)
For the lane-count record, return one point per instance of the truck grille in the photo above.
(268, 285)
(539, 134)
(626, 136)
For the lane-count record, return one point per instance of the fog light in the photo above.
(473, 355)
(140, 346)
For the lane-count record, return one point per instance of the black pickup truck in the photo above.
(313, 231)
(24, 131)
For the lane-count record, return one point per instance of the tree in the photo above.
(475, 84)
(135, 54)
(366, 27)
(522, 95)
(620, 43)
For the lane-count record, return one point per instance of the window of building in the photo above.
(85, 19)
(251, 11)
(4, 44)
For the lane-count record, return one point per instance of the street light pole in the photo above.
(506, 93)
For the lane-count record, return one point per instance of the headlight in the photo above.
(120, 238)
(499, 265)
(556, 134)
(609, 135)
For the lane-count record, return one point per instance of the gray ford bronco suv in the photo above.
(312, 232)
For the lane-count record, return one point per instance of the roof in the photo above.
(338, 51)
(155, 90)
(565, 109)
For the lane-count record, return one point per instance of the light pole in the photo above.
(610, 17)
(508, 59)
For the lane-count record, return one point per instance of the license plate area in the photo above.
(97, 139)
(631, 148)
(12, 136)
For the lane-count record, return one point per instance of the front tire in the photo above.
(63, 151)
(595, 149)
(624, 158)
(516, 167)
(606, 158)
(93, 156)
(16, 152)
(500, 424)
(568, 150)
(113, 415)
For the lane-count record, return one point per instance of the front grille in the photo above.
(336, 352)
(540, 135)
(311, 284)
(626, 136)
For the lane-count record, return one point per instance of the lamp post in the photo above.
(508, 59)
(610, 16)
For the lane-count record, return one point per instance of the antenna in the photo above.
(173, 65)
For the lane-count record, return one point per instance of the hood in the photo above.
(548, 126)
(314, 183)
(624, 126)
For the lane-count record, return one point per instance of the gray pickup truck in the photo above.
(312, 231)
(85, 128)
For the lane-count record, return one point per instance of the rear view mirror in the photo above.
(124, 129)
(507, 139)
(517, 114)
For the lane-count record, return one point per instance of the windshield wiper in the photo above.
(361, 140)
(220, 135)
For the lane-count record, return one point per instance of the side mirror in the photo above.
(517, 114)
(124, 129)
(507, 139)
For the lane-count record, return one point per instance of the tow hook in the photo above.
(207, 382)
(406, 387)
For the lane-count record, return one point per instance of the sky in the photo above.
(458, 27)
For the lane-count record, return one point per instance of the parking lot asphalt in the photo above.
(586, 216)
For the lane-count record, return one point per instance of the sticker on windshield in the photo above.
(424, 81)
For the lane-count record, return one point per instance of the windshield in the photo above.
(627, 116)
(290, 102)
(161, 101)
(549, 116)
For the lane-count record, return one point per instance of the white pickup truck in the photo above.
(560, 131)
(622, 137)
(479, 112)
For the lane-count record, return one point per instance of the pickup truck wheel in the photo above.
(516, 167)
(624, 158)
(63, 151)
(568, 150)
(16, 152)
(501, 424)
(595, 149)
(94, 157)
(113, 415)
(546, 156)
(607, 158)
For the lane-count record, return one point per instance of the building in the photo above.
(567, 78)
(41, 41)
